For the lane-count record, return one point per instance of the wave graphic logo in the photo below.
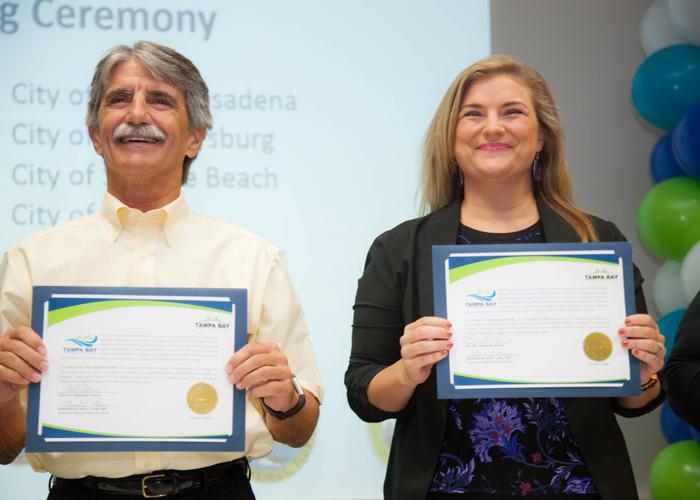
(487, 296)
(86, 341)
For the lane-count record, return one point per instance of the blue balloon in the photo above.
(686, 141)
(662, 162)
(667, 84)
(694, 433)
(674, 428)
(667, 326)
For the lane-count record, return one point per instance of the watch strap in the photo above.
(284, 415)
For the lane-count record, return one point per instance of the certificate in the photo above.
(535, 320)
(137, 369)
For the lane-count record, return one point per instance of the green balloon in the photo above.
(675, 473)
(669, 217)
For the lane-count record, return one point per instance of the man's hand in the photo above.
(262, 370)
(21, 361)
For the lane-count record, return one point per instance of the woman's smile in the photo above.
(494, 146)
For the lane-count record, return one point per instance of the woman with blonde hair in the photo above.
(493, 173)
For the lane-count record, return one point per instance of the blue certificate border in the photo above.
(446, 390)
(35, 443)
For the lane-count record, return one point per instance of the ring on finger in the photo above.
(661, 349)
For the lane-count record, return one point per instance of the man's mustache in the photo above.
(138, 133)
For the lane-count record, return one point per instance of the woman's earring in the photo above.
(459, 179)
(537, 168)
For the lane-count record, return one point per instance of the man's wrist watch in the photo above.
(284, 415)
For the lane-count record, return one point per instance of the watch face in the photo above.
(297, 385)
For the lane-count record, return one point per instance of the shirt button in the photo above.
(147, 463)
(143, 256)
(132, 215)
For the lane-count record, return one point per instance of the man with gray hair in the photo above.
(147, 117)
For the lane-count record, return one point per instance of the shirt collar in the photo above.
(176, 214)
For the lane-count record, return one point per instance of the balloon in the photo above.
(657, 31)
(686, 141)
(668, 326)
(666, 84)
(668, 293)
(669, 217)
(674, 428)
(690, 273)
(685, 18)
(675, 473)
(662, 162)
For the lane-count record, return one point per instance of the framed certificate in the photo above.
(535, 320)
(137, 369)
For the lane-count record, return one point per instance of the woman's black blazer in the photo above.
(397, 289)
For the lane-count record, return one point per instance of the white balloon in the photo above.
(657, 31)
(668, 294)
(685, 18)
(690, 273)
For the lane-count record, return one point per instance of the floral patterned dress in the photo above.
(509, 447)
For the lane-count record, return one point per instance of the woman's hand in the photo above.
(424, 343)
(641, 335)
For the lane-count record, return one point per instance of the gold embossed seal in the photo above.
(202, 398)
(597, 346)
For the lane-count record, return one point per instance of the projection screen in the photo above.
(319, 112)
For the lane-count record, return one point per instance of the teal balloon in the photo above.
(669, 217)
(667, 84)
(668, 325)
(675, 473)
(673, 428)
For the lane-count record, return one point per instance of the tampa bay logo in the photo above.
(486, 296)
(481, 299)
(601, 274)
(84, 343)
(211, 323)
